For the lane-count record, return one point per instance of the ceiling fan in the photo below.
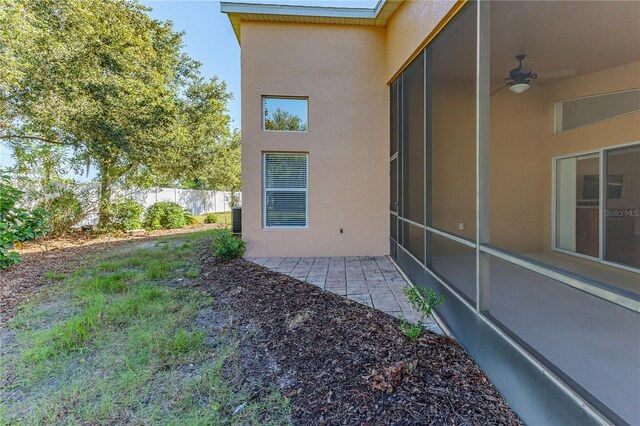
(519, 80)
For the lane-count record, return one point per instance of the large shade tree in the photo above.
(102, 77)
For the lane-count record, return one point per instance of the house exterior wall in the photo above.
(341, 69)
(409, 27)
(345, 71)
(337, 67)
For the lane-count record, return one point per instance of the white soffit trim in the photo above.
(377, 16)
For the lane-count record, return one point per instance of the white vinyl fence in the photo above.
(197, 201)
(194, 200)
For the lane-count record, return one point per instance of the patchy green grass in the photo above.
(223, 218)
(192, 272)
(119, 341)
(54, 276)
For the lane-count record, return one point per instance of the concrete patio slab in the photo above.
(372, 281)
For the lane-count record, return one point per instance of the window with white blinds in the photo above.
(285, 190)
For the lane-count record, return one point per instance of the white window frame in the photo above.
(301, 98)
(601, 231)
(265, 189)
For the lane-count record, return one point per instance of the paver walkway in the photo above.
(373, 281)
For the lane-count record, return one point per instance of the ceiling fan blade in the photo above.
(499, 89)
(557, 74)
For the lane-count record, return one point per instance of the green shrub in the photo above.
(211, 218)
(126, 215)
(423, 300)
(412, 331)
(227, 246)
(17, 224)
(189, 218)
(65, 211)
(164, 215)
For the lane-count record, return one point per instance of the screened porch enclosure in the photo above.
(519, 192)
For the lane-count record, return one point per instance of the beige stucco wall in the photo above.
(409, 27)
(453, 175)
(342, 71)
(517, 171)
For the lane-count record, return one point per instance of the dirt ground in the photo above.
(44, 259)
(341, 362)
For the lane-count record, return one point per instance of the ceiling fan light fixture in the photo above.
(519, 87)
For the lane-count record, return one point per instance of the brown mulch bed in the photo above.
(63, 255)
(341, 362)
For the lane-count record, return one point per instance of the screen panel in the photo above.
(413, 140)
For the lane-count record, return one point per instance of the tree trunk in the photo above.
(104, 204)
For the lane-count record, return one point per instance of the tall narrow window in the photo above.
(578, 204)
(285, 190)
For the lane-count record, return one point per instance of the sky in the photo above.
(209, 39)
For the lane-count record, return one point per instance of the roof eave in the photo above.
(291, 10)
(376, 16)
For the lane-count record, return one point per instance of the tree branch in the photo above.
(37, 138)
